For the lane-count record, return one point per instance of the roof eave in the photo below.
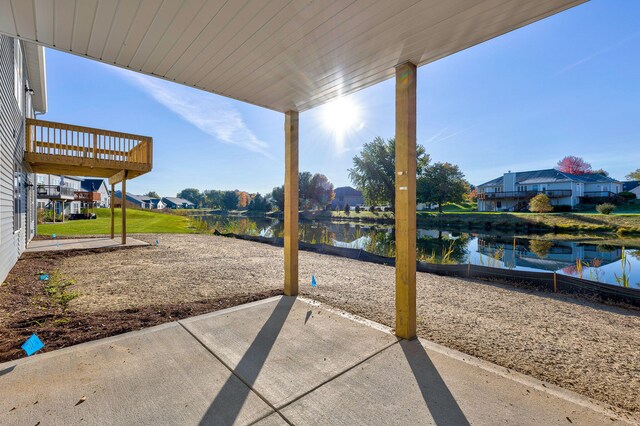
(36, 71)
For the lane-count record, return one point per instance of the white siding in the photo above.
(12, 134)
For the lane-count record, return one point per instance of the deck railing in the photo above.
(66, 144)
(55, 192)
(87, 196)
(522, 195)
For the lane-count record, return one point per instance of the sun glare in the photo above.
(340, 117)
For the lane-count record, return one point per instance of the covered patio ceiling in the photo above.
(279, 54)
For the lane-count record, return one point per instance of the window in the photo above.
(17, 198)
(499, 204)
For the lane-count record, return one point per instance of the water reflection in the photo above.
(585, 259)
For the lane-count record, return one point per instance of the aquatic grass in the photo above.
(625, 264)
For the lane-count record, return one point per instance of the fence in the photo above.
(549, 281)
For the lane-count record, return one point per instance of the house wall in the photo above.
(352, 200)
(15, 175)
(105, 198)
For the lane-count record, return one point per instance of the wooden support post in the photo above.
(291, 203)
(555, 282)
(405, 200)
(124, 209)
(113, 213)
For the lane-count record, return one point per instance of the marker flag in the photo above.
(53, 235)
(313, 281)
(32, 345)
(44, 277)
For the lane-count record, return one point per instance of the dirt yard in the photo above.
(582, 346)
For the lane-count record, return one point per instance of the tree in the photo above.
(540, 204)
(634, 175)
(313, 190)
(259, 204)
(374, 170)
(304, 186)
(347, 208)
(278, 197)
(321, 190)
(229, 200)
(213, 198)
(574, 165)
(152, 194)
(602, 172)
(191, 194)
(243, 199)
(442, 183)
(472, 196)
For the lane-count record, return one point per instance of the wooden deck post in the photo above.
(405, 205)
(113, 215)
(124, 208)
(291, 204)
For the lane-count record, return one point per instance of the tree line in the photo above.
(315, 191)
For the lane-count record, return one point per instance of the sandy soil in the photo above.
(582, 346)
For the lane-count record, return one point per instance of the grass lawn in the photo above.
(556, 222)
(138, 222)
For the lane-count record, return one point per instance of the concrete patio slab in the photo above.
(274, 419)
(80, 244)
(159, 375)
(408, 384)
(285, 348)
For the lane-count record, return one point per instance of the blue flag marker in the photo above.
(53, 235)
(44, 277)
(313, 281)
(32, 345)
(157, 242)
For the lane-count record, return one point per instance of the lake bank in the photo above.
(622, 224)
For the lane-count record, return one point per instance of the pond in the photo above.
(612, 261)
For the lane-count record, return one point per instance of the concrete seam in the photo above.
(228, 367)
(337, 375)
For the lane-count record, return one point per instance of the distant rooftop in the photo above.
(551, 176)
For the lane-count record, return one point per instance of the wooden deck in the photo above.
(60, 148)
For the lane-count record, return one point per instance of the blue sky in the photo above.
(567, 85)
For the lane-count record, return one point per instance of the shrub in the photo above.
(540, 204)
(347, 208)
(627, 195)
(357, 209)
(605, 208)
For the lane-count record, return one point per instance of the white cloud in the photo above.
(210, 113)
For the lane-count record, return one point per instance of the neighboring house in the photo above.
(177, 203)
(99, 186)
(58, 192)
(22, 93)
(632, 186)
(153, 203)
(514, 190)
(347, 195)
(142, 201)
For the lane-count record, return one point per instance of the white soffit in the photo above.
(279, 54)
(36, 71)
